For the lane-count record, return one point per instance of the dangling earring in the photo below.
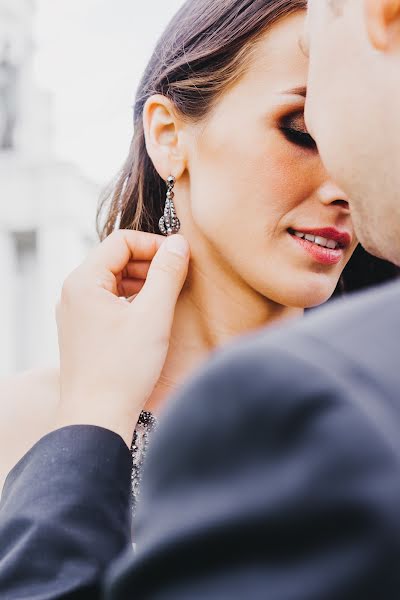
(169, 222)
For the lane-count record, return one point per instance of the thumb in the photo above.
(164, 281)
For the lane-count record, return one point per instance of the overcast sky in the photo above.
(90, 55)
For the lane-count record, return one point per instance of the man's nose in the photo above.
(331, 194)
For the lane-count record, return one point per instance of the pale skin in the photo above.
(241, 184)
(354, 48)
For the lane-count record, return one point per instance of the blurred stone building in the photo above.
(47, 208)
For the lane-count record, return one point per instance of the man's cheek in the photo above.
(313, 108)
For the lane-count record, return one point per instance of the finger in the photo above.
(164, 282)
(120, 248)
(136, 270)
(129, 287)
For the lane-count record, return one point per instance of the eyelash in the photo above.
(300, 138)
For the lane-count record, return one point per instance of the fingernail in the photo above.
(177, 245)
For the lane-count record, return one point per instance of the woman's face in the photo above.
(256, 178)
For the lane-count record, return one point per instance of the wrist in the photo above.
(122, 426)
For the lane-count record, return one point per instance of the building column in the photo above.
(60, 249)
(8, 316)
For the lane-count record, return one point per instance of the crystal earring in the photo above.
(169, 222)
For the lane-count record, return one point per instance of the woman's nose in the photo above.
(331, 194)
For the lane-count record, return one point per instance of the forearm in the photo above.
(64, 514)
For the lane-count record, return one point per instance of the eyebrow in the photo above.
(297, 91)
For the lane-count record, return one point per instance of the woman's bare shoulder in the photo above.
(27, 407)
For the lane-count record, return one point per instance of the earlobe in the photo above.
(383, 21)
(162, 135)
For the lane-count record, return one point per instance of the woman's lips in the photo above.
(323, 255)
(343, 238)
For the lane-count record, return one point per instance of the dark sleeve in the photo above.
(64, 515)
(266, 480)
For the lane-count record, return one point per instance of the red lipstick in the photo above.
(323, 255)
(343, 238)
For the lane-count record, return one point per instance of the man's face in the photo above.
(352, 113)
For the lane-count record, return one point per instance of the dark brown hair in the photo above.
(204, 49)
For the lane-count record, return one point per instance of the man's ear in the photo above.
(383, 23)
(163, 130)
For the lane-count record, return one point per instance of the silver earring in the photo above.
(169, 222)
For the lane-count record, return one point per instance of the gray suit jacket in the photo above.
(274, 475)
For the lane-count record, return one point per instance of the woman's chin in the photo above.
(303, 293)
(312, 295)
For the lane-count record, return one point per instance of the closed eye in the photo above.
(295, 131)
(300, 138)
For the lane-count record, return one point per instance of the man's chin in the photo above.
(380, 248)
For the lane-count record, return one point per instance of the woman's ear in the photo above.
(383, 23)
(163, 131)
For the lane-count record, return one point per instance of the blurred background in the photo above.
(68, 74)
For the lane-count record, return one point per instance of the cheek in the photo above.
(245, 182)
(330, 107)
(243, 191)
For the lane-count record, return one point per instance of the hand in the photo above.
(112, 350)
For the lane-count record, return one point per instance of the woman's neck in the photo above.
(211, 311)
